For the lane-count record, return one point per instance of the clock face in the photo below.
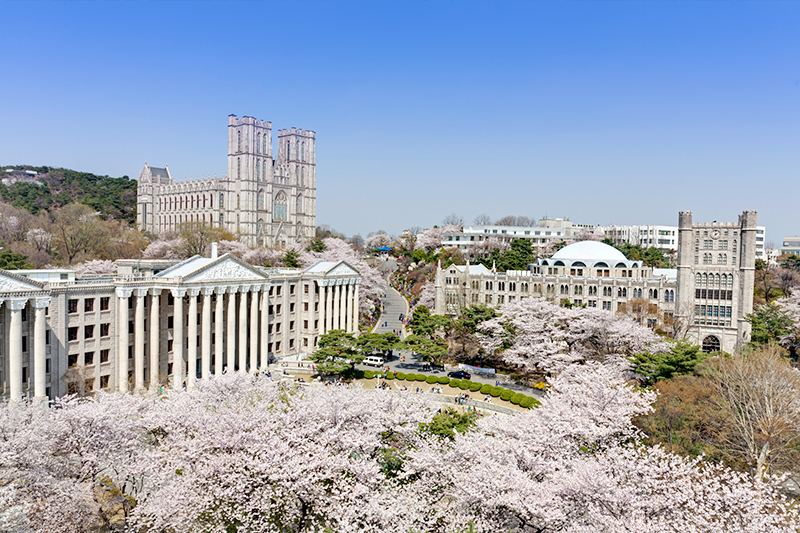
(715, 234)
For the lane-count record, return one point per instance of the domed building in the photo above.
(706, 299)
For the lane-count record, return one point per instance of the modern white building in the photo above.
(161, 322)
(547, 229)
(264, 201)
(665, 238)
(791, 245)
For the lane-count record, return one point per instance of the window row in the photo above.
(720, 311)
(714, 280)
(88, 304)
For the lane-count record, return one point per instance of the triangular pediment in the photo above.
(14, 282)
(342, 269)
(225, 268)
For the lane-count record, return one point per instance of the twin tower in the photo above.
(264, 201)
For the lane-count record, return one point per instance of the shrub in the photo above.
(421, 377)
(358, 374)
(401, 375)
(430, 380)
(527, 402)
(444, 380)
(507, 394)
(369, 374)
(464, 385)
(455, 383)
(496, 391)
(515, 399)
(389, 376)
(486, 388)
(475, 387)
(411, 376)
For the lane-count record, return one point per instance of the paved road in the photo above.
(393, 305)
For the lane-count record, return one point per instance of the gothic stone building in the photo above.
(710, 293)
(161, 322)
(265, 201)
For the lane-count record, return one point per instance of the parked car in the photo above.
(458, 374)
(373, 360)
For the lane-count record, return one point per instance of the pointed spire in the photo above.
(494, 267)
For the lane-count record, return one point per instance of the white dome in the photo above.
(590, 251)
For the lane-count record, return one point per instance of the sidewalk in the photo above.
(394, 304)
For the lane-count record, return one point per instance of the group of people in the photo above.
(461, 399)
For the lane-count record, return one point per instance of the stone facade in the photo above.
(164, 322)
(265, 201)
(716, 276)
(705, 299)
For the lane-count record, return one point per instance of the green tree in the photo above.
(317, 245)
(791, 261)
(519, 255)
(467, 324)
(377, 342)
(682, 358)
(338, 350)
(769, 323)
(14, 261)
(196, 237)
(449, 421)
(429, 349)
(424, 324)
(292, 259)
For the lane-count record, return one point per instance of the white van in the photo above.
(373, 360)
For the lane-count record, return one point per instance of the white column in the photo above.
(123, 338)
(15, 348)
(191, 349)
(356, 308)
(346, 305)
(336, 307)
(242, 352)
(254, 329)
(205, 334)
(178, 367)
(328, 309)
(39, 350)
(322, 314)
(138, 340)
(219, 322)
(230, 347)
(155, 338)
(264, 326)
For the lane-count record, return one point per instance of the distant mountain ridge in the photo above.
(53, 187)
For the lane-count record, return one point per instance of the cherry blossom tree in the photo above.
(163, 249)
(538, 335)
(376, 241)
(431, 239)
(427, 296)
(96, 267)
(232, 247)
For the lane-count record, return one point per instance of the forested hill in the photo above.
(56, 187)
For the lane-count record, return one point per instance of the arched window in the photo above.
(299, 204)
(258, 169)
(211, 199)
(221, 201)
(698, 279)
(302, 177)
(258, 143)
(204, 202)
(716, 280)
(279, 212)
(288, 150)
(302, 151)
(239, 141)
(238, 167)
(710, 344)
(655, 294)
(238, 201)
(264, 145)
(260, 200)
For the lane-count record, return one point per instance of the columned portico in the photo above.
(16, 306)
(205, 333)
(178, 368)
(191, 348)
(328, 309)
(219, 349)
(354, 320)
(253, 351)
(264, 327)
(230, 348)
(242, 352)
(336, 306)
(155, 338)
(323, 315)
(39, 350)
(138, 340)
(123, 338)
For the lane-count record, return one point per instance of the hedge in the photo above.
(444, 380)
(430, 380)
(421, 377)
(475, 387)
(464, 385)
(411, 376)
(496, 391)
(486, 388)
(515, 399)
(507, 394)
(389, 376)
(369, 374)
(455, 383)
(528, 402)
(401, 375)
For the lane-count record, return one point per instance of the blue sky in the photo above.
(604, 112)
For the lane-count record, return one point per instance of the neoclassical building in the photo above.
(265, 201)
(161, 322)
(708, 295)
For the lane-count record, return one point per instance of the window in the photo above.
(47, 337)
(105, 329)
(72, 360)
(103, 382)
(291, 325)
(170, 322)
(278, 327)
(88, 305)
(279, 212)
(88, 358)
(24, 344)
(305, 324)
(104, 355)
(72, 306)
(104, 303)
(72, 334)
(88, 332)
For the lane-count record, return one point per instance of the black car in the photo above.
(458, 374)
